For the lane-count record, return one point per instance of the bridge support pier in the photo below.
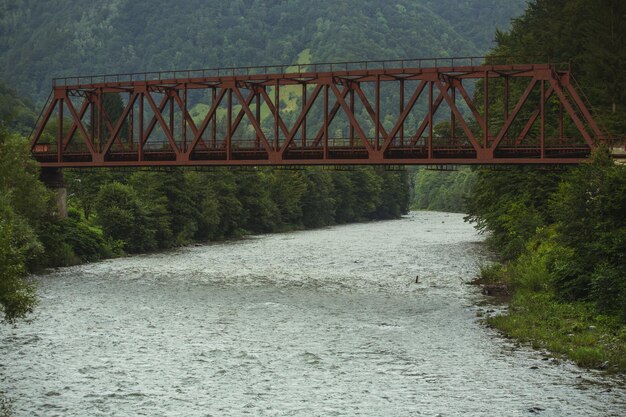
(53, 179)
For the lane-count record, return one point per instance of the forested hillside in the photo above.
(40, 40)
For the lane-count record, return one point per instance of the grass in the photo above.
(572, 330)
(490, 274)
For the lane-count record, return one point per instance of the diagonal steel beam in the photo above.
(37, 134)
(533, 118)
(583, 108)
(207, 119)
(351, 117)
(371, 111)
(579, 124)
(255, 123)
(426, 120)
(119, 123)
(242, 112)
(507, 124)
(459, 116)
(154, 119)
(107, 120)
(81, 114)
(163, 123)
(186, 114)
(81, 127)
(275, 112)
(301, 118)
(409, 107)
(331, 116)
(470, 103)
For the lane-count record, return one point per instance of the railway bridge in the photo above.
(451, 111)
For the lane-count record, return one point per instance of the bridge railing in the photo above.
(418, 63)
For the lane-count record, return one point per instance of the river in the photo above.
(327, 322)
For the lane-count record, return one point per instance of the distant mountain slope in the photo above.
(43, 39)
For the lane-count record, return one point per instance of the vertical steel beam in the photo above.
(229, 121)
(325, 122)
(170, 97)
(486, 111)
(131, 128)
(543, 119)
(276, 115)
(401, 111)
(453, 117)
(60, 131)
(304, 101)
(377, 111)
(561, 123)
(430, 120)
(214, 120)
(92, 120)
(352, 108)
(98, 146)
(184, 120)
(506, 103)
(140, 127)
(257, 140)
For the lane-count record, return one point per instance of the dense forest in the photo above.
(562, 233)
(441, 190)
(41, 40)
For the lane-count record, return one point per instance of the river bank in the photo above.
(325, 321)
(568, 330)
(561, 238)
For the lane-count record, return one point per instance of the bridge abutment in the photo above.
(53, 179)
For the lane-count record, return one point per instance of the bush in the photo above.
(608, 289)
(123, 217)
(492, 273)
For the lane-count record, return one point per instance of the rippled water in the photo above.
(316, 323)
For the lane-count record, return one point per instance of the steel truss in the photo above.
(528, 114)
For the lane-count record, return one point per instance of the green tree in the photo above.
(318, 203)
(345, 200)
(260, 212)
(23, 206)
(17, 297)
(287, 189)
(367, 189)
(589, 209)
(123, 217)
(207, 209)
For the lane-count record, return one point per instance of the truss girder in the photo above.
(248, 122)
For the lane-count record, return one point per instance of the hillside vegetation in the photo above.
(40, 40)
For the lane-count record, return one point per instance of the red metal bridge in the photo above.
(384, 112)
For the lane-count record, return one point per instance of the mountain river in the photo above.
(326, 322)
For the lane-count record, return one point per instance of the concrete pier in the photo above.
(53, 179)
